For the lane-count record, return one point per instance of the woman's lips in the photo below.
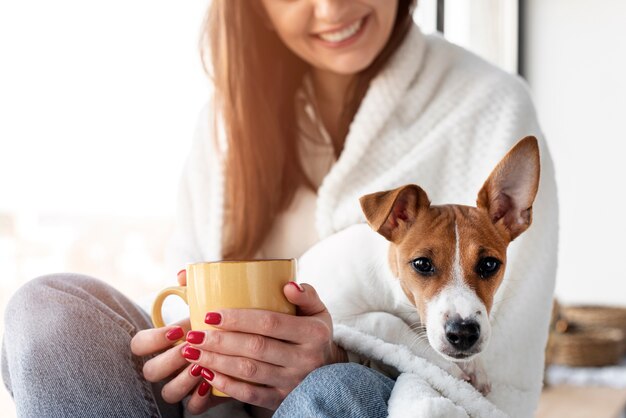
(343, 36)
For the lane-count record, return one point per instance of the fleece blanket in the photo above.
(422, 389)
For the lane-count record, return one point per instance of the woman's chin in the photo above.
(349, 65)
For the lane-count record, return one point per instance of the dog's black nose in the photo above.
(462, 334)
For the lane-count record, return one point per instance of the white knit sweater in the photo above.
(440, 117)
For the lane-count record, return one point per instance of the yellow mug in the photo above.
(254, 284)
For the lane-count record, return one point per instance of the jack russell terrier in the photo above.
(442, 264)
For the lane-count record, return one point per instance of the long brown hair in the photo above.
(256, 78)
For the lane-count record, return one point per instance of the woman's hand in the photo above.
(272, 350)
(169, 361)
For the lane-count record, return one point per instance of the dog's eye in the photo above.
(487, 267)
(423, 266)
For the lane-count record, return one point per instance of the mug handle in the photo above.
(157, 306)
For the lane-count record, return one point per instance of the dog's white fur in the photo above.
(456, 299)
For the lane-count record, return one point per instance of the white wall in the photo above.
(576, 65)
(98, 101)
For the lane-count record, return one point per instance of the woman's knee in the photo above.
(344, 389)
(74, 330)
(61, 300)
(38, 294)
(352, 377)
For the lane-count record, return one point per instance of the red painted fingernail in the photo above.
(180, 272)
(175, 334)
(191, 353)
(297, 286)
(195, 370)
(207, 374)
(195, 337)
(204, 388)
(213, 318)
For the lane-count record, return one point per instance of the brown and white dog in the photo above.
(450, 259)
(432, 268)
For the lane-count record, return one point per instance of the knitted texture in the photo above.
(440, 117)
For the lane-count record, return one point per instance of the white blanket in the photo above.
(423, 389)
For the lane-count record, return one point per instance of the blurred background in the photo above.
(98, 103)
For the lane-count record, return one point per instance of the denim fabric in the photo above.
(346, 390)
(66, 352)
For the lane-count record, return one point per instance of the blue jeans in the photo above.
(66, 353)
(346, 390)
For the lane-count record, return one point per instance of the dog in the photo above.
(444, 262)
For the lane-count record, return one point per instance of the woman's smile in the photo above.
(344, 35)
(339, 37)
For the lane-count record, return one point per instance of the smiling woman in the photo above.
(315, 103)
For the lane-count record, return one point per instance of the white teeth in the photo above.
(342, 35)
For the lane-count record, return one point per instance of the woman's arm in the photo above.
(193, 196)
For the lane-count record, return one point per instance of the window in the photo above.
(489, 28)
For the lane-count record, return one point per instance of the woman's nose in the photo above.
(330, 11)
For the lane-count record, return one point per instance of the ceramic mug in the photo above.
(253, 284)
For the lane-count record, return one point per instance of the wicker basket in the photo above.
(596, 317)
(581, 346)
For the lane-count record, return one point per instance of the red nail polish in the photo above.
(191, 353)
(175, 333)
(195, 370)
(204, 387)
(180, 272)
(297, 286)
(207, 374)
(213, 318)
(195, 337)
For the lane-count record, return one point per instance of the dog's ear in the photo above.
(390, 213)
(509, 192)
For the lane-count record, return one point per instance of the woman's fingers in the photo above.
(182, 277)
(254, 346)
(201, 399)
(239, 367)
(271, 324)
(180, 386)
(305, 298)
(164, 365)
(191, 383)
(245, 392)
(152, 340)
